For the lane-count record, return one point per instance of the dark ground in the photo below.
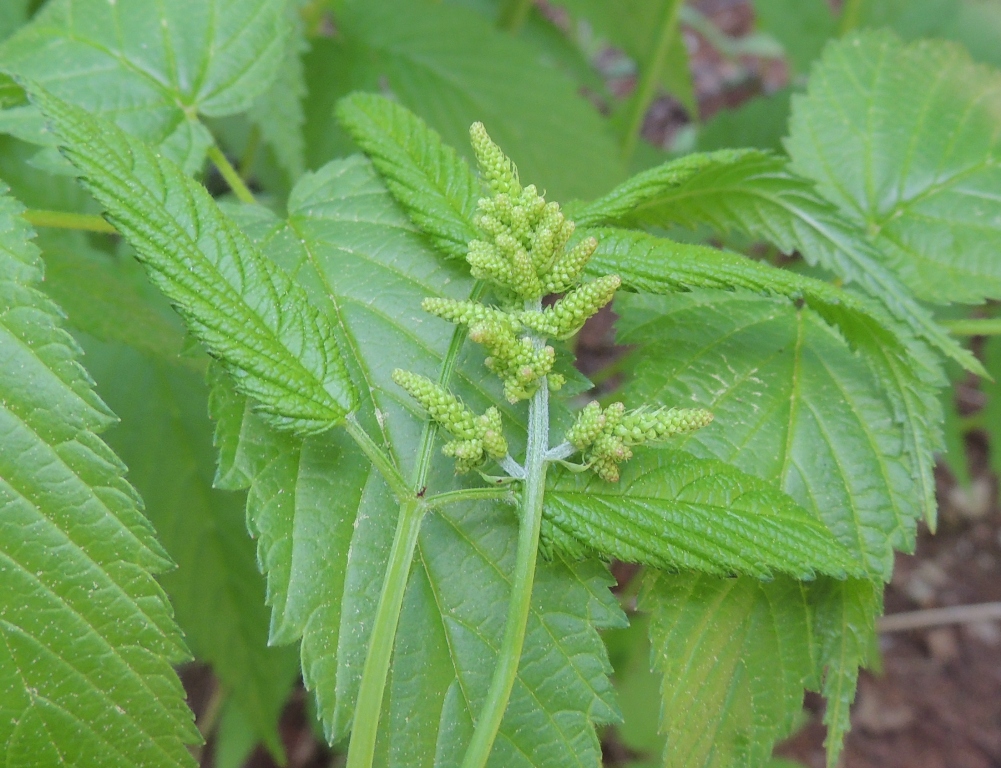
(937, 701)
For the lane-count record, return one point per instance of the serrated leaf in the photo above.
(845, 615)
(87, 635)
(153, 66)
(674, 511)
(325, 520)
(753, 192)
(907, 372)
(243, 308)
(904, 139)
(426, 176)
(735, 655)
(793, 406)
(452, 68)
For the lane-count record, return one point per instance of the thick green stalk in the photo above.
(489, 720)
(242, 192)
(361, 750)
(650, 77)
(64, 220)
(469, 494)
(379, 458)
(981, 326)
(380, 650)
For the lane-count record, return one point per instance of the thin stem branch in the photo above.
(936, 617)
(366, 718)
(380, 459)
(650, 77)
(361, 750)
(562, 451)
(243, 194)
(64, 220)
(513, 14)
(512, 467)
(984, 326)
(509, 657)
(469, 494)
(250, 152)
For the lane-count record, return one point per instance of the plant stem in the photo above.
(985, 326)
(850, 16)
(380, 650)
(513, 14)
(243, 194)
(250, 152)
(937, 617)
(468, 494)
(650, 77)
(361, 750)
(64, 220)
(380, 459)
(530, 524)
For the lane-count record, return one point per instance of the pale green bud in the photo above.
(498, 171)
(642, 425)
(467, 312)
(489, 427)
(442, 406)
(568, 268)
(590, 423)
(567, 315)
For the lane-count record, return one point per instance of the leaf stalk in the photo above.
(380, 459)
(65, 220)
(230, 174)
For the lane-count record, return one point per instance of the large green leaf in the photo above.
(902, 365)
(677, 512)
(793, 405)
(904, 140)
(452, 68)
(133, 343)
(735, 655)
(88, 637)
(753, 192)
(325, 520)
(154, 66)
(247, 312)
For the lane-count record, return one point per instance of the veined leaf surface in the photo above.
(87, 634)
(152, 66)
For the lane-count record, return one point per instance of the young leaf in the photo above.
(735, 655)
(87, 635)
(426, 176)
(903, 139)
(677, 512)
(907, 371)
(325, 520)
(154, 66)
(245, 310)
(753, 192)
(452, 68)
(793, 406)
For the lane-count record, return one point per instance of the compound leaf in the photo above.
(87, 635)
(426, 176)
(152, 66)
(904, 140)
(674, 511)
(245, 310)
(753, 192)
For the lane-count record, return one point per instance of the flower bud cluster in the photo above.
(476, 436)
(605, 436)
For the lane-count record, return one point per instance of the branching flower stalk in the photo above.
(523, 254)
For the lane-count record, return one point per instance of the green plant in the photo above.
(397, 406)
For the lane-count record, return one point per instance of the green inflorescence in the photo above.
(524, 251)
(605, 436)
